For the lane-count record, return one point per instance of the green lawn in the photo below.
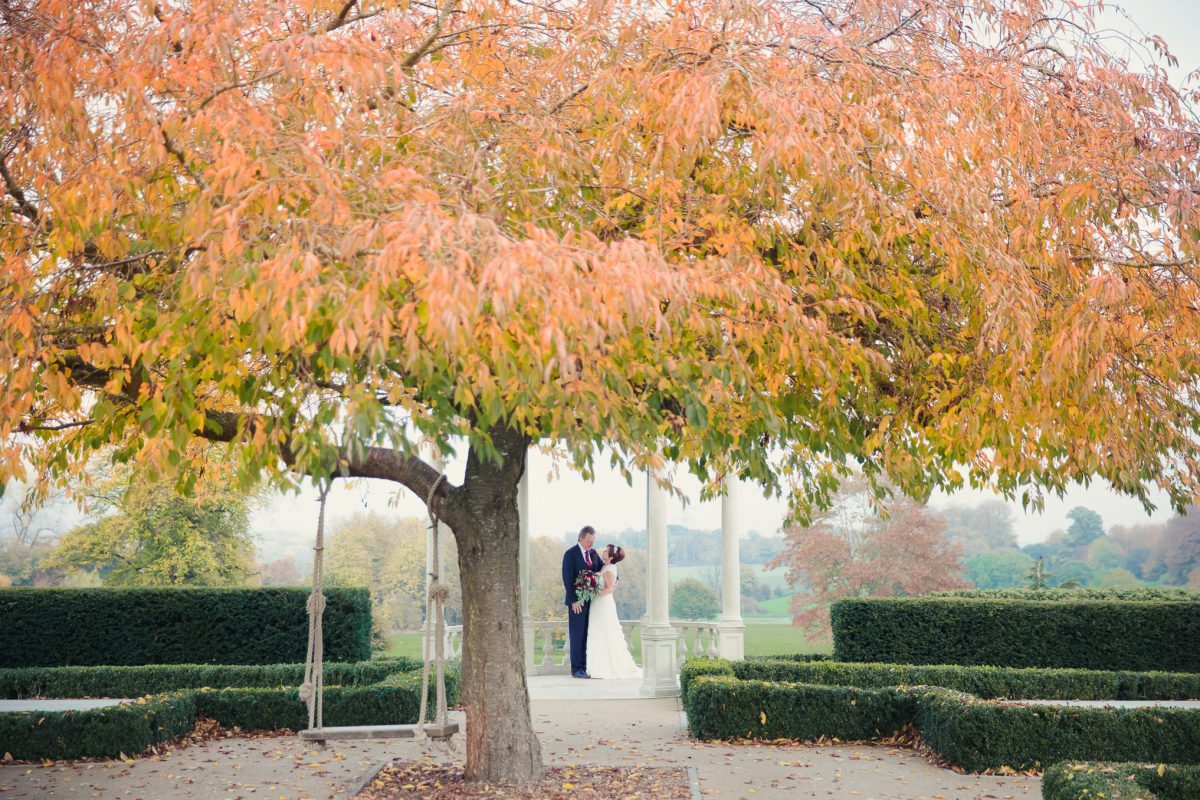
(762, 639)
(776, 607)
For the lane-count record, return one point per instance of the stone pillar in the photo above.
(660, 677)
(731, 630)
(523, 510)
(427, 643)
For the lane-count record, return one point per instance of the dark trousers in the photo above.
(577, 629)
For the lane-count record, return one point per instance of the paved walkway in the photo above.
(601, 723)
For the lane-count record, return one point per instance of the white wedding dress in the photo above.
(607, 652)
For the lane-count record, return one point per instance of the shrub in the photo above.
(966, 731)
(132, 727)
(695, 667)
(721, 707)
(1091, 780)
(986, 682)
(124, 681)
(393, 701)
(1135, 594)
(691, 599)
(978, 735)
(1065, 633)
(86, 627)
(127, 729)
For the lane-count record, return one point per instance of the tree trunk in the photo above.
(501, 745)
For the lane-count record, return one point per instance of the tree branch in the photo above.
(27, 209)
(340, 19)
(903, 24)
(374, 462)
(416, 55)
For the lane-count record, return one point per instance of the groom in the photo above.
(575, 561)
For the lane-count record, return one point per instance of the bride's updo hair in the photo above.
(615, 554)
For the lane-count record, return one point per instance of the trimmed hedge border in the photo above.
(121, 681)
(979, 734)
(973, 734)
(1012, 683)
(90, 627)
(132, 727)
(1070, 633)
(722, 707)
(1140, 594)
(1090, 780)
(769, 699)
(108, 732)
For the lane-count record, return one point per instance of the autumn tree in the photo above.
(998, 569)
(852, 550)
(387, 555)
(281, 571)
(147, 534)
(32, 526)
(944, 243)
(693, 599)
(1181, 556)
(1086, 527)
(981, 528)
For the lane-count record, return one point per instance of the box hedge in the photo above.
(132, 727)
(978, 735)
(127, 729)
(971, 733)
(1096, 781)
(1014, 683)
(88, 627)
(393, 701)
(125, 681)
(1141, 593)
(1065, 633)
(720, 707)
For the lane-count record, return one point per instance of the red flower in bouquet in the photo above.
(586, 586)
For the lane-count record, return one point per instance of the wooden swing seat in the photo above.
(440, 732)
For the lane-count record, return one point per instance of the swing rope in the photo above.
(434, 616)
(312, 691)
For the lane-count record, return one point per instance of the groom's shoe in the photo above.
(580, 675)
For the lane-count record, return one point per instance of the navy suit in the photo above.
(577, 624)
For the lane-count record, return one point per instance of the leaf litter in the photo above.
(428, 781)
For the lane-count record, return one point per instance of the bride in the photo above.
(607, 653)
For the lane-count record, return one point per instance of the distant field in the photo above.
(776, 606)
(762, 639)
(773, 578)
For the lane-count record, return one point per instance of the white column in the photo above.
(427, 644)
(731, 630)
(523, 511)
(659, 640)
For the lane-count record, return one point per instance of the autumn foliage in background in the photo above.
(852, 550)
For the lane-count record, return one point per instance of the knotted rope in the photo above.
(435, 619)
(312, 691)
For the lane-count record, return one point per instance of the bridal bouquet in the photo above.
(586, 586)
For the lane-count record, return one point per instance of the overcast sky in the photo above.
(611, 505)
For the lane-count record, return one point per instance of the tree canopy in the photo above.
(770, 235)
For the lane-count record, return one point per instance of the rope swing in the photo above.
(436, 603)
(312, 690)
